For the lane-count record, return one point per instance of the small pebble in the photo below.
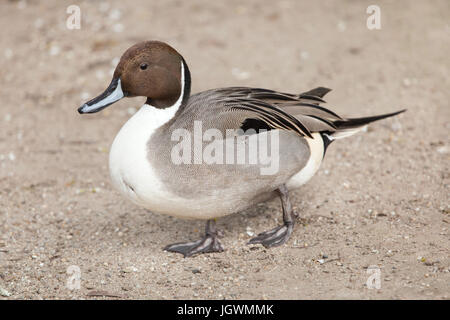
(118, 27)
(4, 292)
(115, 14)
(341, 26)
(104, 6)
(240, 74)
(130, 269)
(85, 95)
(406, 82)
(38, 23)
(99, 74)
(304, 55)
(421, 259)
(9, 53)
(115, 61)
(22, 4)
(443, 149)
(54, 50)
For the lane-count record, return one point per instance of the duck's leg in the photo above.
(209, 243)
(281, 234)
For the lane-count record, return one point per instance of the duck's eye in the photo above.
(143, 66)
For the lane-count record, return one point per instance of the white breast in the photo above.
(132, 173)
(130, 169)
(316, 148)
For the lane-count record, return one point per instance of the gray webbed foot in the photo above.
(209, 243)
(274, 237)
(205, 245)
(281, 234)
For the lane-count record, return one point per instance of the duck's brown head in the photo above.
(149, 69)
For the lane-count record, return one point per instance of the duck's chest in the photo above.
(131, 172)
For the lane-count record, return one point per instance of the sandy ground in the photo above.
(380, 199)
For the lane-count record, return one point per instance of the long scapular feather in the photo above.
(282, 119)
(318, 92)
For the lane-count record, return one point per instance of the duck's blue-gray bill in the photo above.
(112, 94)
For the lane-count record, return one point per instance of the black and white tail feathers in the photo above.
(345, 127)
(350, 126)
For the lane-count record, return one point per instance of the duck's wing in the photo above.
(256, 108)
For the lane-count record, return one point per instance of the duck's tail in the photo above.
(350, 126)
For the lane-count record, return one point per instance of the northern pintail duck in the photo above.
(149, 166)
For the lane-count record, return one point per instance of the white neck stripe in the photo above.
(153, 117)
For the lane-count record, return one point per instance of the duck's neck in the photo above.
(160, 116)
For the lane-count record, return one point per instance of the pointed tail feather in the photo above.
(350, 126)
(358, 122)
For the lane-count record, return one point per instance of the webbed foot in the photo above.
(281, 234)
(209, 243)
(274, 237)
